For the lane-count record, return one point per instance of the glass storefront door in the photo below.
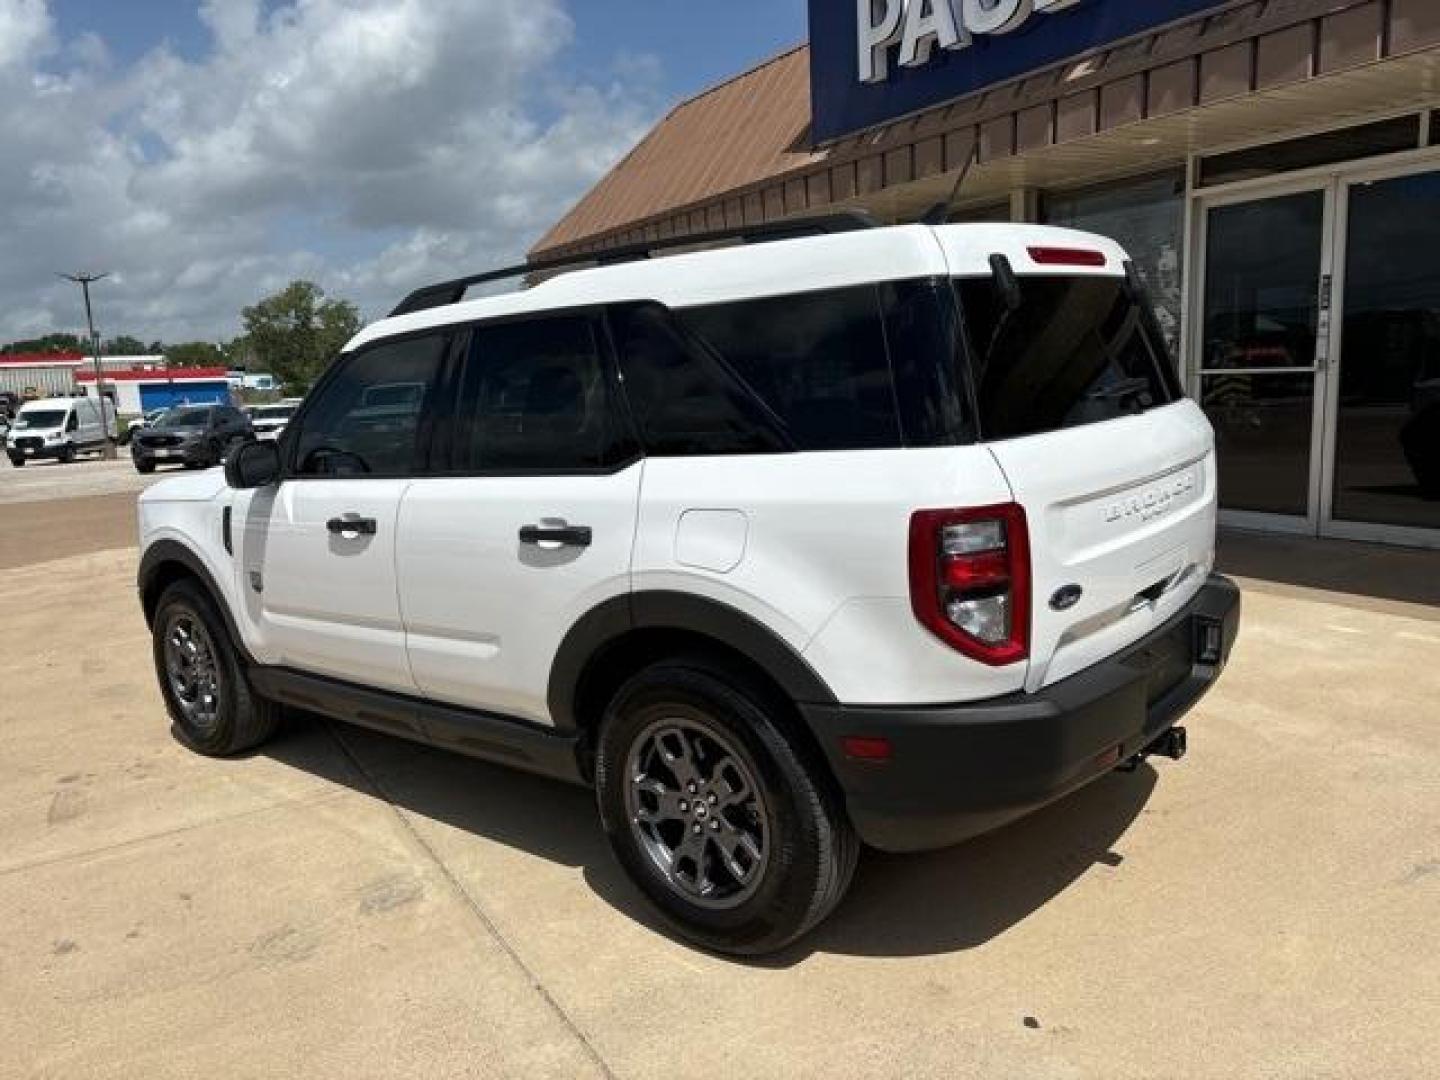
(1317, 354)
(1385, 464)
(1263, 340)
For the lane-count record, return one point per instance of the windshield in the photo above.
(40, 418)
(184, 417)
(1077, 350)
(274, 412)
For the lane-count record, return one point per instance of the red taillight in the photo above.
(1063, 256)
(970, 580)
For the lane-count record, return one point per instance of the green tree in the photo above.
(296, 332)
(190, 354)
(50, 343)
(124, 345)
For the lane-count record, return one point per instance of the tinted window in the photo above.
(685, 399)
(1078, 350)
(922, 327)
(184, 417)
(40, 419)
(817, 360)
(535, 398)
(366, 420)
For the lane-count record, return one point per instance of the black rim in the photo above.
(696, 811)
(192, 670)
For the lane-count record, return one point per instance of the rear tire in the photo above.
(745, 878)
(202, 677)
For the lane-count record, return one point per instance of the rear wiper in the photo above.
(1120, 391)
(1007, 287)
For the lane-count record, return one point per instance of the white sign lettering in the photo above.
(917, 26)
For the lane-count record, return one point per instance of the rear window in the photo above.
(1077, 350)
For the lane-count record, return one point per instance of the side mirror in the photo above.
(252, 465)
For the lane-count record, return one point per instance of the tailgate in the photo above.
(1129, 519)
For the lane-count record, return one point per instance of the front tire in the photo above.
(202, 678)
(17, 461)
(144, 466)
(716, 814)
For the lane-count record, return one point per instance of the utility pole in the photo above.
(84, 281)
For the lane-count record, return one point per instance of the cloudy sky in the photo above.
(208, 151)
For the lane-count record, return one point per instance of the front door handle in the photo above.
(568, 535)
(351, 523)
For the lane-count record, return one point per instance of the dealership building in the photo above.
(1273, 167)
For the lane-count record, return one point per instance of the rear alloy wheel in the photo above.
(720, 817)
(695, 809)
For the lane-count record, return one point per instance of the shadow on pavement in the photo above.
(1336, 566)
(913, 905)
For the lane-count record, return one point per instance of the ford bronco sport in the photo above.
(833, 535)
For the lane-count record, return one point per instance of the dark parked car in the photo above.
(196, 436)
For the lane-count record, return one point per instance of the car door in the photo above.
(316, 557)
(532, 526)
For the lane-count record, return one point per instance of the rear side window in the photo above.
(1077, 350)
(535, 397)
(818, 360)
(685, 399)
(365, 421)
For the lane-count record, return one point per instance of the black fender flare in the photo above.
(663, 610)
(169, 552)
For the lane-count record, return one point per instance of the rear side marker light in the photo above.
(970, 580)
(866, 748)
(1063, 256)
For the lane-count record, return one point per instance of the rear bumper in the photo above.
(962, 770)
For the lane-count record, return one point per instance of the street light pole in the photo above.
(84, 280)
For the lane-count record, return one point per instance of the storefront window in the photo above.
(1144, 216)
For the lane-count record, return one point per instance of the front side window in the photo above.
(534, 398)
(365, 421)
(1077, 350)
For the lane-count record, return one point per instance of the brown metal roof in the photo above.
(749, 129)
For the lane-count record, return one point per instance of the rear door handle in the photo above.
(569, 535)
(352, 523)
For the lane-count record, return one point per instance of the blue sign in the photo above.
(874, 60)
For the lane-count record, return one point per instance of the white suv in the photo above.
(874, 534)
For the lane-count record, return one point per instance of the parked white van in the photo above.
(59, 428)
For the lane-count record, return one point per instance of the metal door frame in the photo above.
(1309, 523)
(1336, 182)
(1411, 535)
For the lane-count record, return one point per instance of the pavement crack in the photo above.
(476, 908)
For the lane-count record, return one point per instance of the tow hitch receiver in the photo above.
(1172, 745)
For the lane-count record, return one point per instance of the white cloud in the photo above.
(371, 145)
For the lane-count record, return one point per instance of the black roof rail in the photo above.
(452, 292)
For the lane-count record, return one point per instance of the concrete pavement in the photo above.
(345, 904)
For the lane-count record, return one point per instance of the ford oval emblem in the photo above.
(1066, 598)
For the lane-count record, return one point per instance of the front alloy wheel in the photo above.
(192, 670)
